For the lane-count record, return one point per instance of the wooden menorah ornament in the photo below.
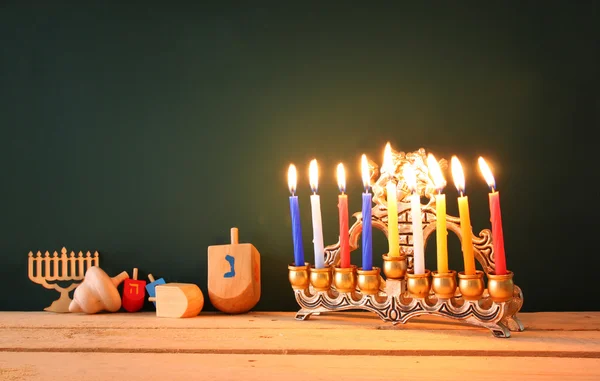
(98, 292)
(150, 287)
(134, 293)
(178, 300)
(233, 276)
(63, 268)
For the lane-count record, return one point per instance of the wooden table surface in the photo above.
(273, 346)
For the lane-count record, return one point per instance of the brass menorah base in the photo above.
(399, 300)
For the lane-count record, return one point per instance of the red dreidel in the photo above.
(134, 293)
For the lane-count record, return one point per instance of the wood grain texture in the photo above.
(272, 345)
(534, 321)
(174, 367)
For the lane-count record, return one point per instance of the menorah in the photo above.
(63, 268)
(403, 295)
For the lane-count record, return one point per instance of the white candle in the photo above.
(415, 212)
(315, 203)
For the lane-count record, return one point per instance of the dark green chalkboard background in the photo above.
(146, 132)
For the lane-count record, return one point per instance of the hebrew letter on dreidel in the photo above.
(233, 276)
(134, 293)
(231, 272)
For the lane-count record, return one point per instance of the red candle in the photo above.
(495, 219)
(343, 208)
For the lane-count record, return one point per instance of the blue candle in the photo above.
(367, 243)
(295, 212)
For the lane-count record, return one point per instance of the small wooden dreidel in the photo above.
(150, 287)
(134, 293)
(178, 300)
(233, 276)
(98, 292)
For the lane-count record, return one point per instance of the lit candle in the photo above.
(440, 214)
(415, 211)
(367, 243)
(465, 220)
(495, 219)
(315, 203)
(392, 206)
(295, 212)
(343, 213)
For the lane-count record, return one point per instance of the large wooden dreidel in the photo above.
(150, 287)
(134, 293)
(233, 276)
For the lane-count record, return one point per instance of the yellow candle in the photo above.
(440, 212)
(465, 220)
(392, 206)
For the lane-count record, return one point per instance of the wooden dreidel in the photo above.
(134, 293)
(178, 300)
(150, 287)
(98, 292)
(233, 276)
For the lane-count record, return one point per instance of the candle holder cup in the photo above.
(418, 285)
(444, 284)
(298, 276)
(320, 279)
(495, 309)
(471, 285)
(394, 267)
(344, 279)
(501, 287)
(368, 281)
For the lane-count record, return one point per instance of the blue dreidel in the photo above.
(150, 287)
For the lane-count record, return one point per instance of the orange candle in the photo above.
(465, 219)
(495, 218)
(343, 214)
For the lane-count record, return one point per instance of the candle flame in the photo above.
(313, 175)
(292, 178)
(436, 173)
(341, 177)
(387, 165)
(458, 175)
(364, 167)
(487, 173)
(410, 176)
